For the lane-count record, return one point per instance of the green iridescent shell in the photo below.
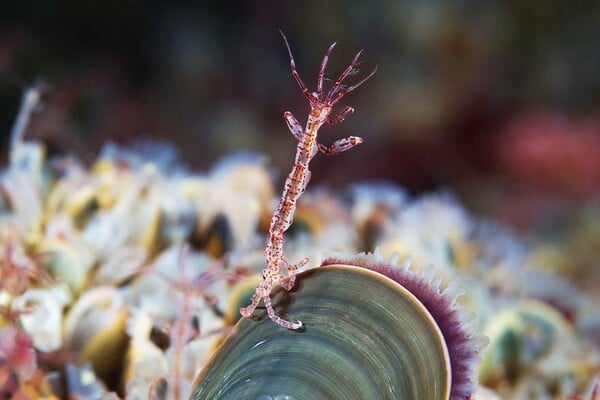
(365, 336)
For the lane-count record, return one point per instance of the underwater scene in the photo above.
(169, 229)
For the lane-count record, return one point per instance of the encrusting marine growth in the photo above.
(321, 105)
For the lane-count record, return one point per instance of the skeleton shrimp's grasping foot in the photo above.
(321, 105)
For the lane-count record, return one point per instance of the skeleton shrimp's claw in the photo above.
(288, 282)
(244, 312)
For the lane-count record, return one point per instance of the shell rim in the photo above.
(416, 302)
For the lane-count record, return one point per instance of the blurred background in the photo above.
(495, 101)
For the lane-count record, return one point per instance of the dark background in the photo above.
(497, 101)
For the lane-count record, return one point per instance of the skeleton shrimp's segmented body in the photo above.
(320, 112)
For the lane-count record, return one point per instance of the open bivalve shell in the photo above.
(371, 331)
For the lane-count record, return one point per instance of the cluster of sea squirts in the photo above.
(123, 279)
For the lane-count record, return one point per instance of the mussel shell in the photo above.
(364, 337)
(520, 338)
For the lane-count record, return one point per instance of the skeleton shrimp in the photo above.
(321, 105)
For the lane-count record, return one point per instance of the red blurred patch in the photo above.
(544, 151)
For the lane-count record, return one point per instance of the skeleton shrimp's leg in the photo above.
(340, 146)
(247, 312)
(288, 282)
(277, 319)
(293, 125)
(341, 115)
